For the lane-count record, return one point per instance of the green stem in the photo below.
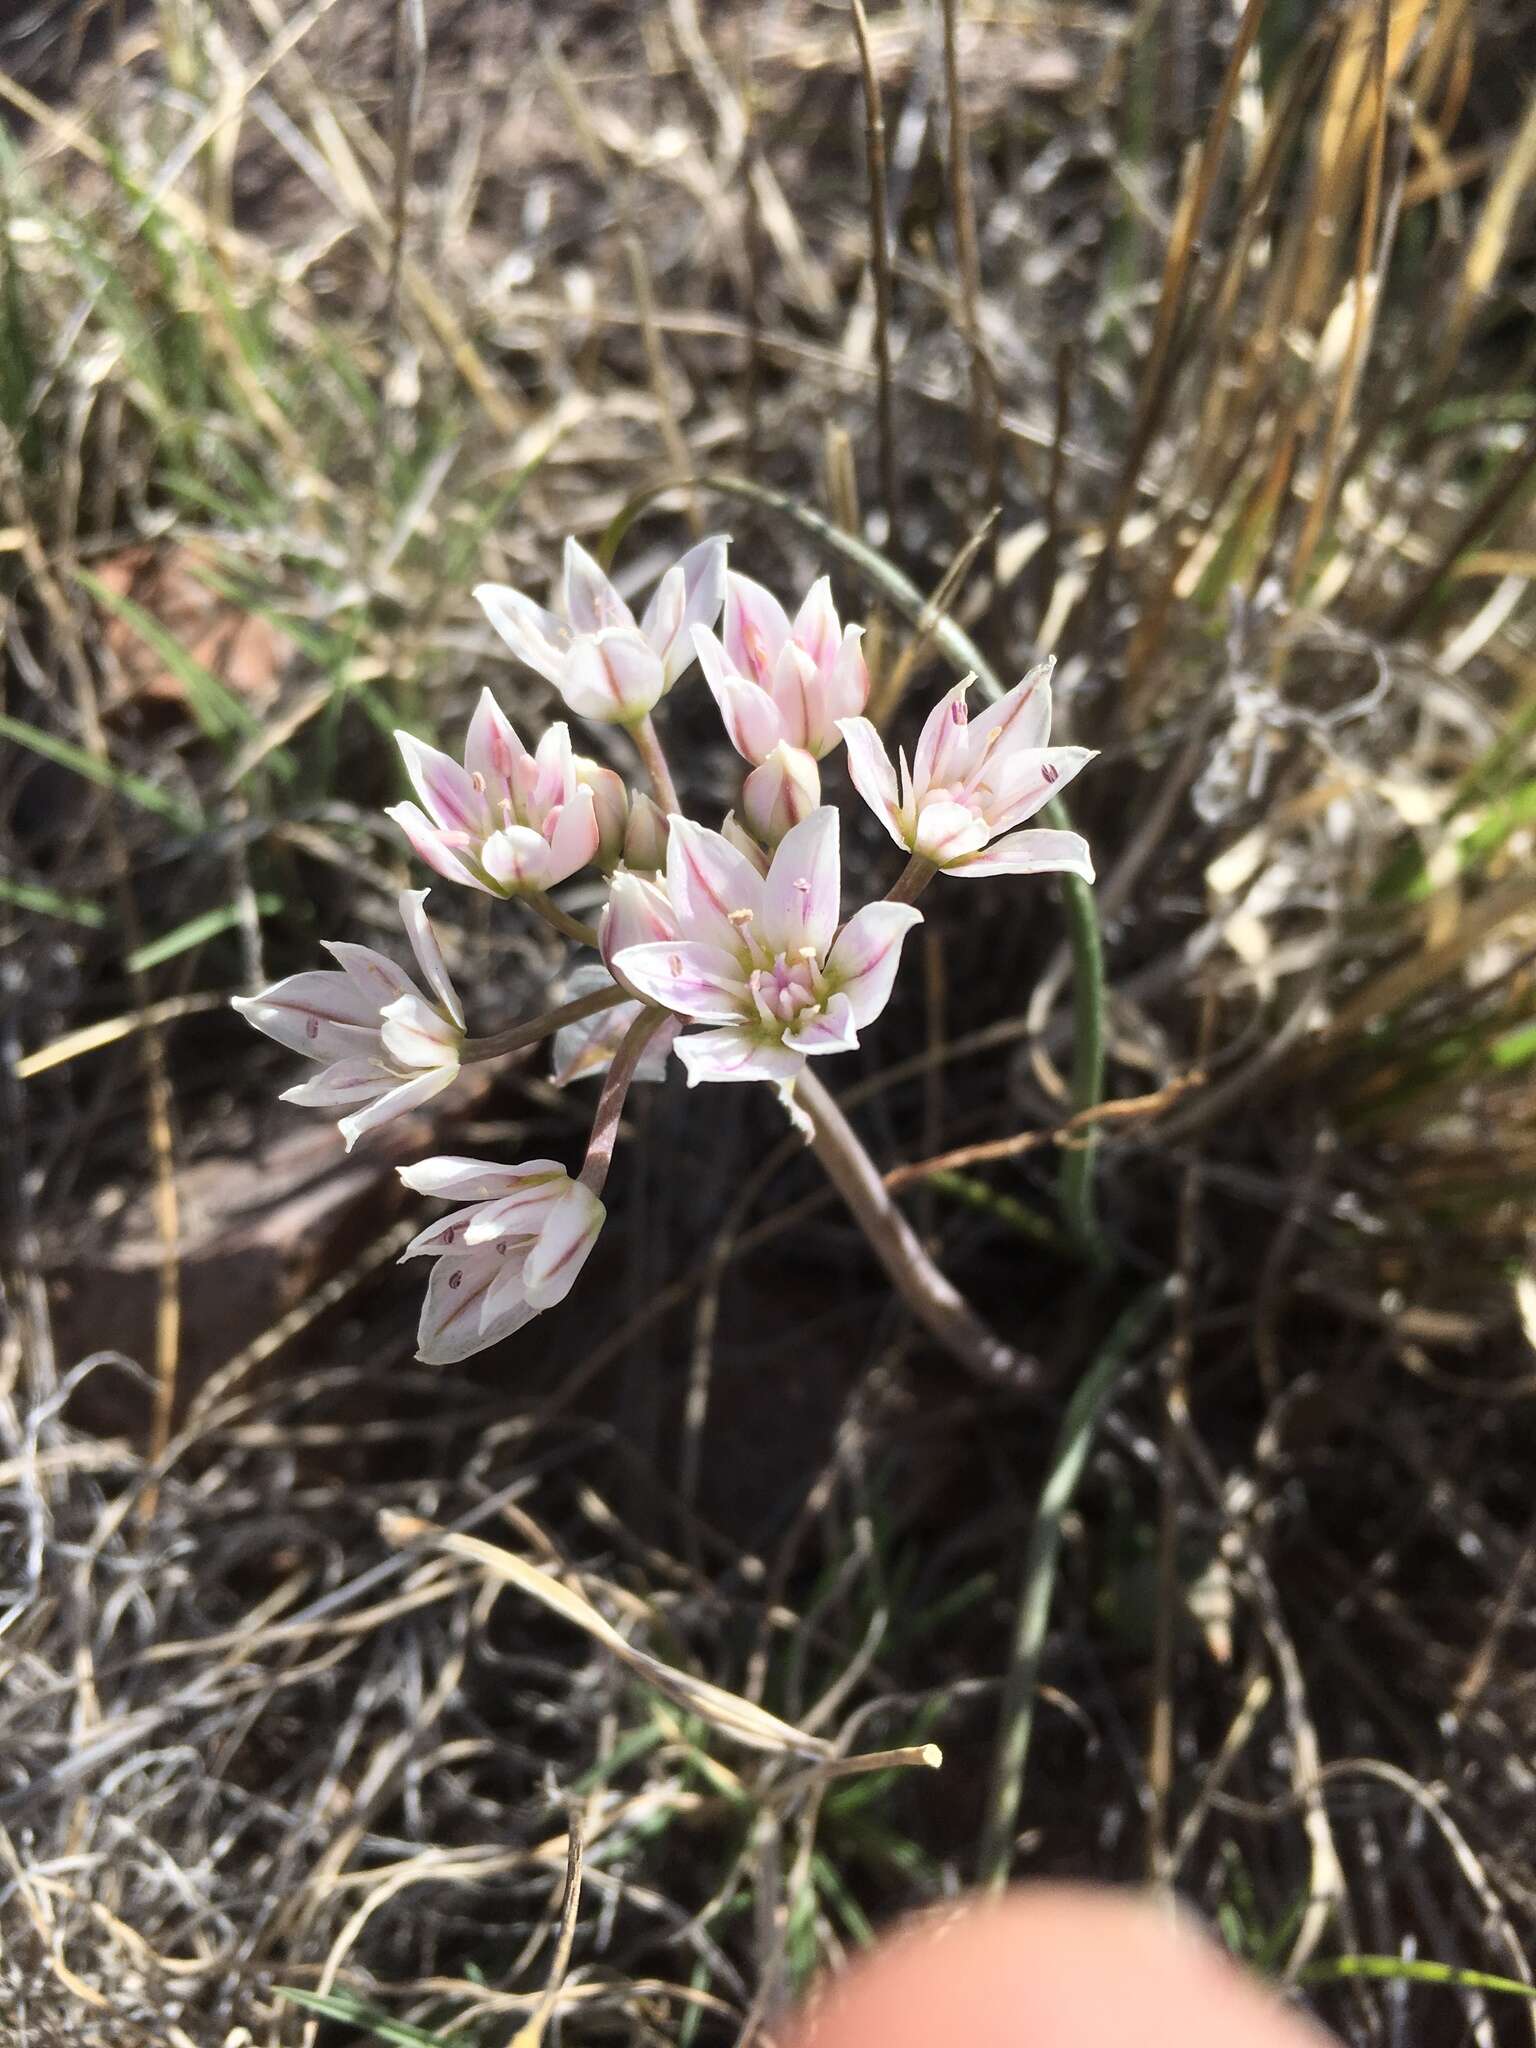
(912, 881)
(1089, 1399)
(1075, 1188)
(562, 920)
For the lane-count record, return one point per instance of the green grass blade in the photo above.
(195, 932)
(1090, 1397)
(212, 703)
(131, 787)
(49, 903)
(341, 2005)
(1412, 1970)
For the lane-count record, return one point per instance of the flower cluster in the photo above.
(726, 947)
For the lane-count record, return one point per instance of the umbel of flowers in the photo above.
(724, 945)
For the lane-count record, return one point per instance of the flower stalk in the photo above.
(610, 1104)
(653, 755)
(518, 1037)
(935, 1301)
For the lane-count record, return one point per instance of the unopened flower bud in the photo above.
(776, 796)
(645, 836)
(610, 800)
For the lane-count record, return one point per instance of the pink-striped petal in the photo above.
(322, 1015)
(689, 977)
(450, 1326)
(702, 574)
(591, 602)
(847, 681)
(398, 1102)
(804, 887)
(517, 857)
(1036, 852)
(342, 1085)
(871, 773)
(832, 1030)
(816, 626)
(949, 831)
(756, 628)
(866, 954)
(538, 639)
(442, 851)
(794, 687)
(708, 879)
(457, 1179)
(638, 913)
(941, 743)
(415, 1034)
(575, 840)
(429, 955)
(447, 791)
(374, 975)
(1020, 720)
(492, 748)
(734, 833)
(1028, 781)
(506, 1306)
(735, 1056)
(751, 718)
(564, 1246)
(522, 1214)
(445, 1235)
(614, 676)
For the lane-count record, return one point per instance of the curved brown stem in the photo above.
(912, 881)
(610, 1104)
(937, 1304)
(519, 1036)
(648, 742)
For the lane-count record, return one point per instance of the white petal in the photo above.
(429, 955)
(374, 975)
(342, 1085)
(687, 976)
(476, 1180)
(804, 886)
(535, 636)
(576, 838)
(414, 1034)
(442, 851)
(450, 1316)
(322, 1015)
(947, 831)
(735, 1056)
(708, 878)
(941, 743)
(1032, 852)
(445, 1235)
(866, 954)
(591, 602)
(398, 1102)
(833, 1031)
(871, 773)
(662, 624)
(1021, 720)
(1028, 781)
(614, 676)
(516, 858)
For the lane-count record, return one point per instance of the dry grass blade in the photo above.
(736, 1717)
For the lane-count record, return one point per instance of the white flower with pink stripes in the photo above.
(972, 781)
(387, 1047)
(514, 1251)
(759, 959)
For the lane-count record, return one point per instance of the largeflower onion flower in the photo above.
(605, 663)
(514, 1251)
(387, 1047)
(972, 781)
(759, 958)
(508, 820)
(779, 683)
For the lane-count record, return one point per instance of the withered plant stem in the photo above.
(880, 266)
